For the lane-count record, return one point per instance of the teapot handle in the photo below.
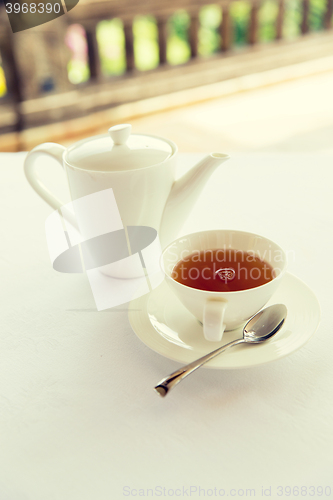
(55, 151)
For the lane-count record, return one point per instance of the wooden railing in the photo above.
(26, 105)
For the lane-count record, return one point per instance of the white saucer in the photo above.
(162, 322)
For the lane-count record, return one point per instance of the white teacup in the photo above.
(220, 311)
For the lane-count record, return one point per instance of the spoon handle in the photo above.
(164, 386)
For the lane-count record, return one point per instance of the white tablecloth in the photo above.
(79, 418)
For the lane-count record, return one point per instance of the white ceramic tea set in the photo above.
(177, 321)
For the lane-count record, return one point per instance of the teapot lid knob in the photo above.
(120, 133)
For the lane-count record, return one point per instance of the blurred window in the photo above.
(209, 32)
(292, 18)
(3, 85)
(146, 50)
(268, 13)
(240, 15)
(78, 67)
(178, 47)
(111, 46)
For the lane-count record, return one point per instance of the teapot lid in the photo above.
(119, 150)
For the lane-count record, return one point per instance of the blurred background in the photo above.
(236, 75)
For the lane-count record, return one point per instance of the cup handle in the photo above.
(55, 151)
(213, 315)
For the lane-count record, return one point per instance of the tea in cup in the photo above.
(223, 277)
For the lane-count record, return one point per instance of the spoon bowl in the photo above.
(264, 324)
(261, 327)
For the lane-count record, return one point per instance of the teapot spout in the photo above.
(184, 193)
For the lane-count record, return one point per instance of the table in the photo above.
(79, 417)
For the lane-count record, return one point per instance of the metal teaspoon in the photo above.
(259, 328)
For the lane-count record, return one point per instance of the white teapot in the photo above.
(140, 169)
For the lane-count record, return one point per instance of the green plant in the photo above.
(111, 46)
(317, 10)
(267, 20)
(240, 15)
(292, 18)
(209, 36)
(146, 51)
(178, 49)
